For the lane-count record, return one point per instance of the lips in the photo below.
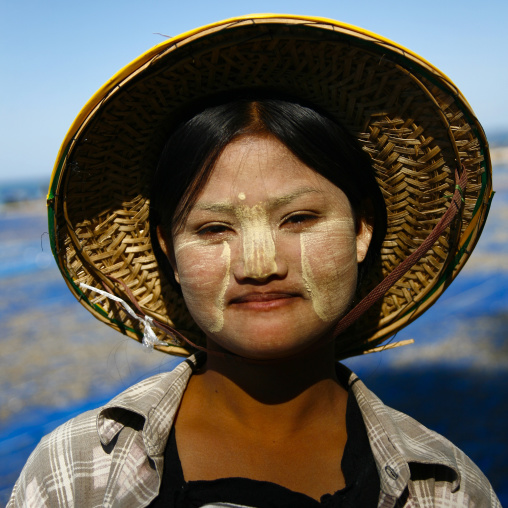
(263, 300)
(261, 297)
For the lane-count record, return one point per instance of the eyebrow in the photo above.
(228, 207)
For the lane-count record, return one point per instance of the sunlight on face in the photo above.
(267, 258)
(326, 280)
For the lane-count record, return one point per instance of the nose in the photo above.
(258, 259)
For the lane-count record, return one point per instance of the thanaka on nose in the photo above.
(258, 246)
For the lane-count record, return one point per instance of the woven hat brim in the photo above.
(409, 117)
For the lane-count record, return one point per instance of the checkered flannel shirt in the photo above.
(113, 456)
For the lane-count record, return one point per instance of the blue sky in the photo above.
(55, 54)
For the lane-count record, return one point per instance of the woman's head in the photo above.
(263, 220)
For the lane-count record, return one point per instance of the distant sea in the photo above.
(57, 361)
(17, 191)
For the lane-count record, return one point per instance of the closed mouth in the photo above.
(261, 298)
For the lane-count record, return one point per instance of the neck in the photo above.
(289, 393)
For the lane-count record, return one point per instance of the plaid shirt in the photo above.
(113, 456)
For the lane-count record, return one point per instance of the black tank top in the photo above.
(358, 466)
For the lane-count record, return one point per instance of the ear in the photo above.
(363, 238)
(167, 247)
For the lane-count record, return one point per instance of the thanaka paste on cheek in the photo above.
(329, 270)
(194, 290)
(218, 323)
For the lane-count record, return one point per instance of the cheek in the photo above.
(329, 268)
(204, 273)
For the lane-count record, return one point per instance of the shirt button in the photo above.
(391, 472)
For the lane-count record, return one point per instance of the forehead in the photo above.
(256, 168)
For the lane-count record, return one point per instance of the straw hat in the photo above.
(410, 118)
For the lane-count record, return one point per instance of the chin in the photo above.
(266, 343)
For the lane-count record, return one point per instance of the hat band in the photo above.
(411, 260)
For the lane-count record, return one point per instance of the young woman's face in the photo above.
(267, 257)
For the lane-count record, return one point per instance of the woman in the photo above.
(266, 257)
(266, 228)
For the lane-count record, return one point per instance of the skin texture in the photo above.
(267, 262)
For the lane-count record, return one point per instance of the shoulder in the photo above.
(438, 468)
(51, 467)
(82, 456)
(414, 461)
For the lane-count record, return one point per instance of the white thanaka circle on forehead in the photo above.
(327, 295)
(272, 203)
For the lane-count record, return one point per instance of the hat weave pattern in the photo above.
(413, 123)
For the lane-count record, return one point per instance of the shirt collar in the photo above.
(150, 404)
(398, 440)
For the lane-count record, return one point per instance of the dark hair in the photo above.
(321, 143)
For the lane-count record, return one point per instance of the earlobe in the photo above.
(167, 248)
(363, 239)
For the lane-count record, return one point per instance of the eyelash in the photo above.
(212, 229)
(299, 218)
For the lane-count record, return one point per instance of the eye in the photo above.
(213, 229)
(300, 219)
